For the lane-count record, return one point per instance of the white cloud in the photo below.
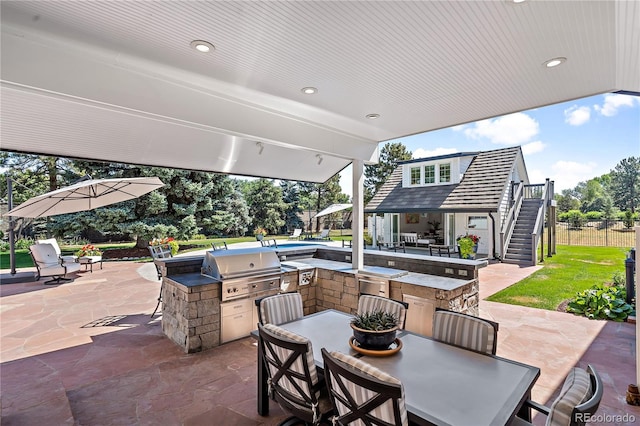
(576, 115)
(510, 129)
(459, 127)
(533, 147)
(424, 153)
(567, 174)
(613, 102)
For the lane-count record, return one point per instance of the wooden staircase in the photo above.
(520, 249)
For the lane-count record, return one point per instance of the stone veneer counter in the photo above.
(191, 311)
(191, 302)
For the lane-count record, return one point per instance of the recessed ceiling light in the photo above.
(372, 116)
(518, 1)
(554, 62)
(202, 46)
(309, 90)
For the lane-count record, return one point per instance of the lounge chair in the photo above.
(54, 243)
(222, 245)
(50, 264)
(324, 235)
(296, 234)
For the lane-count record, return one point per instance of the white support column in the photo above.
(357, 226)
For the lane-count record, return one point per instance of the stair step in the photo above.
(520, 247)
(517, 262)
(517, 257)
(519, 254)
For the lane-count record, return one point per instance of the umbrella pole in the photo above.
(12, 236)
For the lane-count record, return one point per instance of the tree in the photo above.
(34, 175)
(231, 213)
(567, 201)
(291, 196)
(317, 196)
(377, 174)
(266, 206)
(625, 184)
(179, 209)
(609, 212)
(592, 195)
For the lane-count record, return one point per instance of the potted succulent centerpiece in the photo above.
(468, 246)
(375, 330)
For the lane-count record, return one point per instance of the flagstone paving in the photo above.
(88, 353)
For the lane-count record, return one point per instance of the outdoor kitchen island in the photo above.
(194, 304)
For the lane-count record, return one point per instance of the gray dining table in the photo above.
(443, 384)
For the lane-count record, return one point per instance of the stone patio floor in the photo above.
(87, 352)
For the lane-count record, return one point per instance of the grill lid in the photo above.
(228, 264)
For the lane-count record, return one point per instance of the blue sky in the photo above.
(568, 142)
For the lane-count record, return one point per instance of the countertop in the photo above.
(192, 279)
(397, 275)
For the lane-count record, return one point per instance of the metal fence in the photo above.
(604, 233)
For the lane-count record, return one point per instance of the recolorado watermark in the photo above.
(606, 418)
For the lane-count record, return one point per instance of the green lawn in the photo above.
(572, 269)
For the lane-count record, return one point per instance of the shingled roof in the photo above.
(481, 188)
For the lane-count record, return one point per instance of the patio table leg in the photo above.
(525, 410)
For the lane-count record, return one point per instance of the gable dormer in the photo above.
(441, 170)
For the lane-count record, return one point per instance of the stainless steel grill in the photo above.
(245, 275)
(243, 272)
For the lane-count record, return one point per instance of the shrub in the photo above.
(619, 279)
(629, 219)
(23, 243)
(199, 237)
(593, 215)
(575, 218)
(601, 302)
(4, 246)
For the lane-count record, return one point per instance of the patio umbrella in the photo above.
(81, 196)
(333, 208)
(86, 195)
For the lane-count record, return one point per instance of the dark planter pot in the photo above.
(377, 340)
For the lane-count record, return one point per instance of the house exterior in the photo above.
(440, 198)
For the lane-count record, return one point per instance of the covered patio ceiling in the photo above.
(120, 82)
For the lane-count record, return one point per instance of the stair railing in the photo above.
(509, 222)
(538, 228)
